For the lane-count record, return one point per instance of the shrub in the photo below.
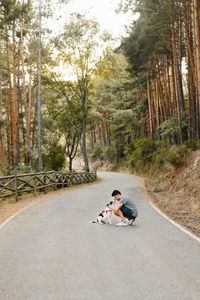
(96, 153)
(178, 155)
(140, 159)
(160, 158)
(55, 159)
(193, 144)
(109, 153)
(129, 148)
(169, 127)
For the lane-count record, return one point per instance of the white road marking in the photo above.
(147, 196)
(174, 223)
(17, 213)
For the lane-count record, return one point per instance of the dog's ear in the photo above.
(111, 202)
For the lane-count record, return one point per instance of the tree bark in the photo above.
(11, 108)
(178, 87)
(150, 107)
(8, 135)
(83, 144)
(191, 67)
(196, 24)
(16, 106)
(39, 95)
(2, 157)
(29, 121)
(24, 90)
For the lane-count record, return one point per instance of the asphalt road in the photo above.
(50, 251)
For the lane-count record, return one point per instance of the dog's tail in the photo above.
(96, 221)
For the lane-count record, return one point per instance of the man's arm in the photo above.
(116, 207)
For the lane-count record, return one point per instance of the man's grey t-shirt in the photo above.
(128, 202)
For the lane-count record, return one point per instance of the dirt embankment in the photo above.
(177, 193)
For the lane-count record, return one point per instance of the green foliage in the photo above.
(129, 148)
(55, 158)
(169, 127)
(178, 155)
(112, 154)
(140, 159)
(193, 144)
(96, 153)
(105, 153)
(161, 155)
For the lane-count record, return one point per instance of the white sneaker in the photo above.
(130, 222)
(122, 223)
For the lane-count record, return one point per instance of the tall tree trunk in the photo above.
(94, 134)
(160, 89)
(2, 158)
(16, 106)
(169, 86)
(150, 107)
(34, 120)
(8, 135)
(11, 109)
(107, 128)
(191, 67)
(24, 89)
(29, 121)
(156, 105)
(166, 89)
(83, 144)
(92, 138)
(196, 24)
(103, 133)
(39, 95)
(178, 87)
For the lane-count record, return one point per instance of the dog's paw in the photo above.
(101, 222)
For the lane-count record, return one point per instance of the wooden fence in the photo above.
(33, 182)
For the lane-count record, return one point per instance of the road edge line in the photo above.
(15, 214)
(147, 196)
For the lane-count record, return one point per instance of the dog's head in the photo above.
(111, 203)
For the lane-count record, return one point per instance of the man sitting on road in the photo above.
(125, 208)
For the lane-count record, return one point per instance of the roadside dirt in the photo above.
(177, 193)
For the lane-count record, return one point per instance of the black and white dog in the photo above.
(105, 215)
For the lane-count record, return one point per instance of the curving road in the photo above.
(50, 251)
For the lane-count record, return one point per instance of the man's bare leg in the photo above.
(119, 213)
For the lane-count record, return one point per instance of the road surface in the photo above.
(50, 251)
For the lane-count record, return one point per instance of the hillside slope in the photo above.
(177, 193)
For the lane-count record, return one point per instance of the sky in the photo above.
(102, 10)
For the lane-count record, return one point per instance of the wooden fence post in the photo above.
(62, 179)
(55, 185)
(45, 186)
(16, 190)
(35, 186)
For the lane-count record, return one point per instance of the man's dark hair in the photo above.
(115, 192)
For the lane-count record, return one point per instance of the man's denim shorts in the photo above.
(127, 212)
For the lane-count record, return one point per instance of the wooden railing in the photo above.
(33, 182)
